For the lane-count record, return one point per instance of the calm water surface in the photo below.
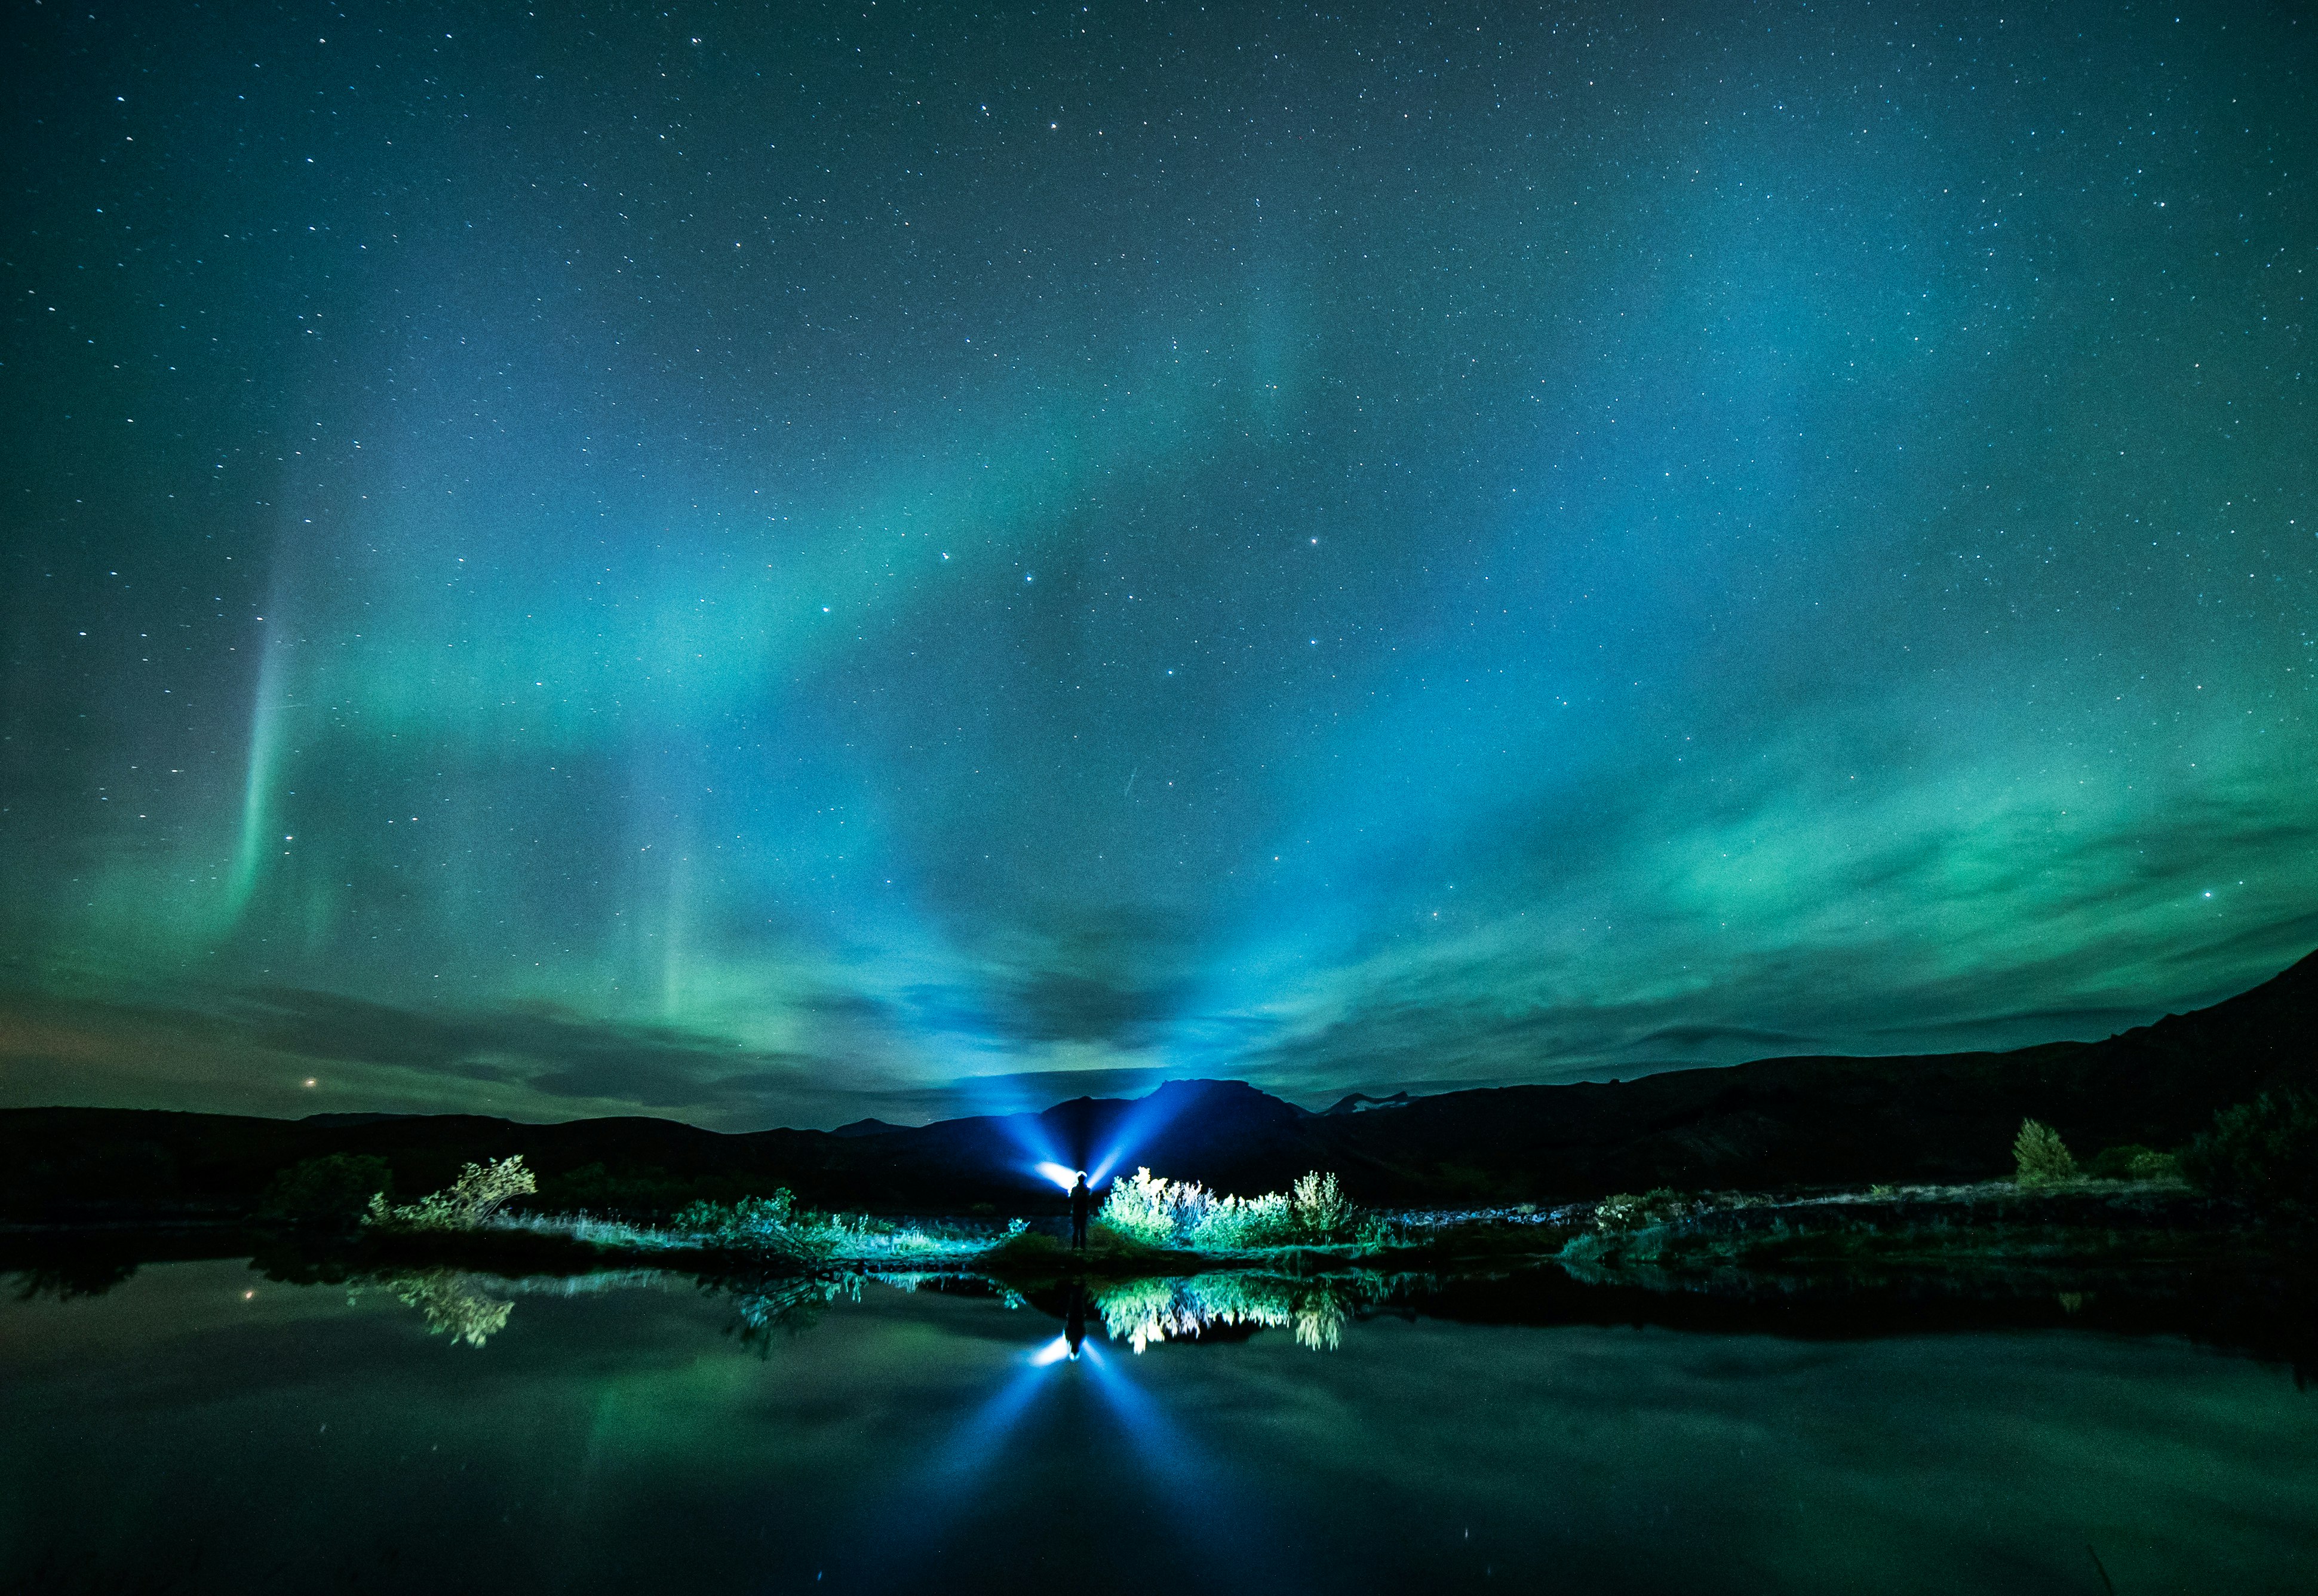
(202, 1428)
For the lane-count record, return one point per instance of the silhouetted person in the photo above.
(1081, 1199)
(1075, 1322)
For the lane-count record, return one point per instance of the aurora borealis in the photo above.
(767, 565)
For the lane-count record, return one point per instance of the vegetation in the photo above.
(479, 1193)
(775, 1226)
(1142, 1311)
(1156, 1212)
(2133, 1161)
(2041, 1156)
(1624, 1211)
(2263, 1154)
(337, 1189)
(456, 1304)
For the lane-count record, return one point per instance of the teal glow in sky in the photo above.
(764, 569)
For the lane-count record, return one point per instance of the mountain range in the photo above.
(1778, 1123)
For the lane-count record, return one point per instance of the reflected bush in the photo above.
(1142, 1311)
(455, 1302)
(479, 1193)
(1157, 1212)
(68, 1279)
(768, 1308)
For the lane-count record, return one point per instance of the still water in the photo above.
(200, 1426)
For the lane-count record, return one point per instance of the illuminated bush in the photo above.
(1161, 1213)
(1235, 1223)
(2041, 1156)
(481, 1191)
(1154, 1211)
(776, 1225)
(1323, 1214)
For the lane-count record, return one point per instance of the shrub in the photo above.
(1151, 1209)
(1322, 1212)
(772, 1223)
(2041, 1155)
(1236, 1224)
(2133, 1161)
(1161, 1213)
(335, 1190)
(2263, 1154)
(2147, 1164)
(455, 1304)
(1142, 1311)
(1626, 1212)
(481, 1191)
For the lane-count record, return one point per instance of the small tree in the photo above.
(2041, 1155)
(481, 1191)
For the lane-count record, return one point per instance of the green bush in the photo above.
(1234, 1224)
(1624, 1211)
(772, 1223)
(1152, 1210)
(2041, 1156)
(479, 1193)
(1156, 1212)
(2263, 1154)
(1322, 1212)
(335, 1190)
(2133, 1161)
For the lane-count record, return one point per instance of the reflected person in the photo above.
(1081, 1199)
(1074, 1320)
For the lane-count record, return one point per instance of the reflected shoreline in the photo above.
(2270, 1317)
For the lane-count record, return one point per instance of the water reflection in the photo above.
(1142, 1313)
(204, 1427)
(456, 1304)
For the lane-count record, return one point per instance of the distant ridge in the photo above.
(1773, 1123)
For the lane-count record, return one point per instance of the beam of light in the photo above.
(1163, 1444)
(955, 1470)
(977, 1439)
(1216, 1512)
(1060, 1175)
(1144, 1119)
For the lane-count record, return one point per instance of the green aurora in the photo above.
(765, 570)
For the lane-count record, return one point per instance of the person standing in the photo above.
(1081, 1200)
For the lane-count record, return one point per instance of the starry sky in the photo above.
(769, 564)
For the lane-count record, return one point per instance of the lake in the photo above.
(200, 1426)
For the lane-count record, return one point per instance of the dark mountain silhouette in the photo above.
(1780, 1122)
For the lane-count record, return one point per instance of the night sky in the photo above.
(769, 564)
